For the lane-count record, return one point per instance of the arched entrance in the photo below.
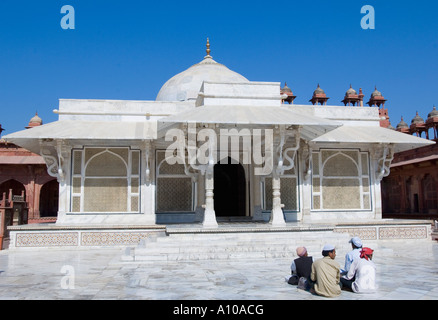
(229, 190)
(17, 188)
(49, 199)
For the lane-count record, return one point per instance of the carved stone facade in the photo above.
(215, 145)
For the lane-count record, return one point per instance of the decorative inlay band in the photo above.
(403, 233)
(112, 238)
(47, 239)
(363, 233)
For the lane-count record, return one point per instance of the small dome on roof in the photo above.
(35, 121)
(285, 88)
(376, 93)
(350, 91)
(318, 90)
(402, 124)
(417, 119)
(433, 113)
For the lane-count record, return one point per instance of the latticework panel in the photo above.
(106, 164)
(340, 180)
(174, 194)
(288, 193)
(100, 180)
(105, 195)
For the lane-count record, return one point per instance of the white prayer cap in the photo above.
(328, 247)
(356, 241)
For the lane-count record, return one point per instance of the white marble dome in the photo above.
(187, 84)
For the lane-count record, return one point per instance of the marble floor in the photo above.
(405, 270)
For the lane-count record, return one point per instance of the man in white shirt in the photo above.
(361, 278)
(356, 245)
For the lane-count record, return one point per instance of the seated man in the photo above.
(326, 274)
(361, 278)
(356, 245)
(301, 267)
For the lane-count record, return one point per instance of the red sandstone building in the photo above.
(411, 189)
(25, 174)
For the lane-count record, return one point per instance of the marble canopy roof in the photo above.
(250, 116)
(359, 135)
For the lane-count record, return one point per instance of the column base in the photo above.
(209, 219)
(277, 218)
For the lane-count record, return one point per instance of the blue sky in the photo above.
(129, 49)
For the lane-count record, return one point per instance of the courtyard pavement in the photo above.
(406, 270)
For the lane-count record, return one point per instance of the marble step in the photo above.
(199, 245)
(237, 239)
(241, 239)
(237, 246)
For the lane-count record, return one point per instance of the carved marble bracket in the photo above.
(307, 157)
(51, 162)
(147, 148)
(384, 155)
(206, 166)
(61, 149)
(293, 133)
(54, 153)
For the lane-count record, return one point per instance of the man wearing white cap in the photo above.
(326, 273)
(356, 244)
(362, 275)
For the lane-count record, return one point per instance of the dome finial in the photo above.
(208, 49)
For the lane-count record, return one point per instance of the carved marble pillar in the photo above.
(202, 163)
(280, 137)
(306, 187)
(148, 188)
(209, 213)
(277, 217)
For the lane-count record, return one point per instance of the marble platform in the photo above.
(406, 270)
(53, 235)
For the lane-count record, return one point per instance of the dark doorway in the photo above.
(229, 189)
(17, 188)
(49, 199)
